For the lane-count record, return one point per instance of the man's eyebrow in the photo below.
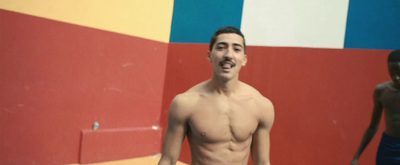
(222, 43)
(225, 43)
(237, 44)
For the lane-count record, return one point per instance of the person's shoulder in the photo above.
(249, 89)
(383, 86)
(383, 89)
(252, 90)
(181, 106)
(265, 103)
(261, 100)
(193, 93)
(185, 100)
(265, 109)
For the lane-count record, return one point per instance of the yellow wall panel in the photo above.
(149, 19)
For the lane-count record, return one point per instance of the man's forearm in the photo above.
(368, 135)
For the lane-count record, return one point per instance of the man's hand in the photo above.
(354, 162)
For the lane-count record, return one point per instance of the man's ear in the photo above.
(244, 60)
(209, 56)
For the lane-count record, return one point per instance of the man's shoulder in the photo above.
(384, 89)
(182, 104)
(189, 97)
(383, 86)
(264, 107)
(248, 89)
(186, 97)
(260, 99)
(192, 93)
(255, 93)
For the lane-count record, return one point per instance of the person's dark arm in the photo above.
(372, 128)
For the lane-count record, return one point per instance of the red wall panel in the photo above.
(322, 97)
(115, 144)
(57, 79)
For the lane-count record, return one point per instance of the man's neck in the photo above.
(226, 88)
(393, 86)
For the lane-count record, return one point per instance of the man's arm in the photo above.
(176, 131)
(373, 126)
(260, 146)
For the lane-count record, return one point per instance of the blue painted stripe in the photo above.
(373, 24)
(195, 21)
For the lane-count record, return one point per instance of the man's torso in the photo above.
(220, 128)
(390, 100)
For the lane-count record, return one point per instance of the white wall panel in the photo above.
(295, 23)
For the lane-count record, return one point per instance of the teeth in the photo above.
(227, 64)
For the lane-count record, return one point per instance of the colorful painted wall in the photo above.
(66, 65)
(318, 61)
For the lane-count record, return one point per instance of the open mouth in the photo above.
(227, 64)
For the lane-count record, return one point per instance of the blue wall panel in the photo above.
(373, 24)
(196, 21)
(370, 24)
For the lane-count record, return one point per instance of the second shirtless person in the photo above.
(223, 118)
(386, 101)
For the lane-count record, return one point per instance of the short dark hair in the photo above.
(394, 56)
(226, 29)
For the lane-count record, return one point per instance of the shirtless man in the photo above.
(386, 96)
(223, 118)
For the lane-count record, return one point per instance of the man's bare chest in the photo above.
(217, 120)
(391, 101)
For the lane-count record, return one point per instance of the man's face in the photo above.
(227, 55)
(394, 71)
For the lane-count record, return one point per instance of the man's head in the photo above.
(226, 29)
(394, 66)
(227, 53)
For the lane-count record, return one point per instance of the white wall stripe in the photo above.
(295, 23)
